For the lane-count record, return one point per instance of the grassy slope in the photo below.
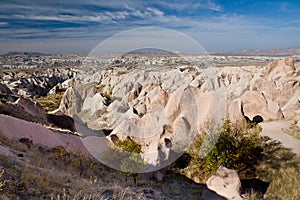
(44, 173)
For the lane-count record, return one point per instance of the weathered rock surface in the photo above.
(225, 182)
(14, 128)
(31, 107)
(155, 105)
(33, 83)
(271, 93)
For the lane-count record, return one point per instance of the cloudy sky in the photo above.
(59, 26)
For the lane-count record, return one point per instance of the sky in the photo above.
(61, 26)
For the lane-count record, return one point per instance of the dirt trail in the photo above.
(276, 131)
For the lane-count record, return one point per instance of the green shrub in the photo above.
(50, 102)
(231, 145)
(126, 156)
(129, 146)
(74, 160)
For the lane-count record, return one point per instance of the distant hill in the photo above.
(150, 51)
(268, 52)
(14, 53)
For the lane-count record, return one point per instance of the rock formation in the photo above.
(157, 105)
(161, 107)
(226, 183)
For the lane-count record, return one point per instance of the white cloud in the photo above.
(188, 5)
(3, 23)
(213, 6)
(155, 11)
(218, 29)
(101, 16)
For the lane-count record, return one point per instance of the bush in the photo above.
(231, 145)
(125, 155)
(74, 160)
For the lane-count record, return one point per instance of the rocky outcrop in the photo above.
(158, 105)
(18, 111)
(226, 183)
(71, 102)
(270, 93)
(31, 111)
(255, 103)
(280, 69)
(33, 83)
(158, 109)
(60, 87)
(62, 121)
(14, 128)
(31, 107)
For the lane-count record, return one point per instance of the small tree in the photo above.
(235, 146)
(125, 155)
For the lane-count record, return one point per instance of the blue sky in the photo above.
(78, 26)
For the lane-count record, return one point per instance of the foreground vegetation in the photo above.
(43, 173)
(235, 146)
(240, 147)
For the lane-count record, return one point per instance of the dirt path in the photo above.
(275, 130)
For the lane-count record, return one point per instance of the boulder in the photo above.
(225, 182)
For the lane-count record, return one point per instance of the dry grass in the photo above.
(252, 195)
(275, 165)
(281, 168)
(39, 172)
(44, 173)
(285, 185)
(2, 182)
(100, 193)
(294, 131)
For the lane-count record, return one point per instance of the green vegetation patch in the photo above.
(240, 147)
(126, 155)
(50, 102)
(231, 145)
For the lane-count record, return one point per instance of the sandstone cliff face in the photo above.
(158, 105)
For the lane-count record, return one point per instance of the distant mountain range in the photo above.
(15, 53)
(268, 52)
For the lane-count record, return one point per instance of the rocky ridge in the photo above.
(161, 108)
(33, 82)
(168, 106)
